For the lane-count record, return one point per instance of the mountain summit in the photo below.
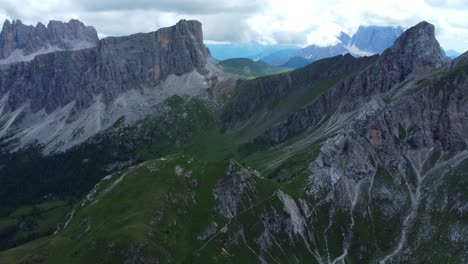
(416, 47)
(20, 42)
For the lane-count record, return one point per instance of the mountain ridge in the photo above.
(138, 66)
(19, 42)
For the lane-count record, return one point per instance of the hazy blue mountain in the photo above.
(375, 39)
(344, 38)
(279, 57)
(314, 53)
(250, 68)
(251, 50)
(366, 41)
(452, 53)
(296, 62)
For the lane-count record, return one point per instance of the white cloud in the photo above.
(292, 21)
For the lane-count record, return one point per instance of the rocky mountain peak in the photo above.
(19, 42)
(417, 47)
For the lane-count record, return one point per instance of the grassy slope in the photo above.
(249, 68)
(147, 210)
(29, 222)
(271, 99)
(27, 177)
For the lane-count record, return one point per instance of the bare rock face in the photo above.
(415, 48)
(115, 65)
(19, 42)
(96, 86)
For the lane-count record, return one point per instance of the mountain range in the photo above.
(142, 149)
(368, 40)
(250, 68)
(19, 42)
(251, 50)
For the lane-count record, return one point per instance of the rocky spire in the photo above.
(416, 48)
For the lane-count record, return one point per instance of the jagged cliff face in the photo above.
(19, 42)
(78, 93)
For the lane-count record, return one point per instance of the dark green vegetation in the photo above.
(164, 212)
(30, 222)
(249, 68)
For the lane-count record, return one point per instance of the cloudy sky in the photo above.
(299, 22)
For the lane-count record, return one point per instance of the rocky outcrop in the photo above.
(394, 163)
(415, 48)
(236, 190)
(19, 42)
(84, 91)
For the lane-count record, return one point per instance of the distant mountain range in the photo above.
(250, 68)
(452, 53)
(368, 40)
(252, 50)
